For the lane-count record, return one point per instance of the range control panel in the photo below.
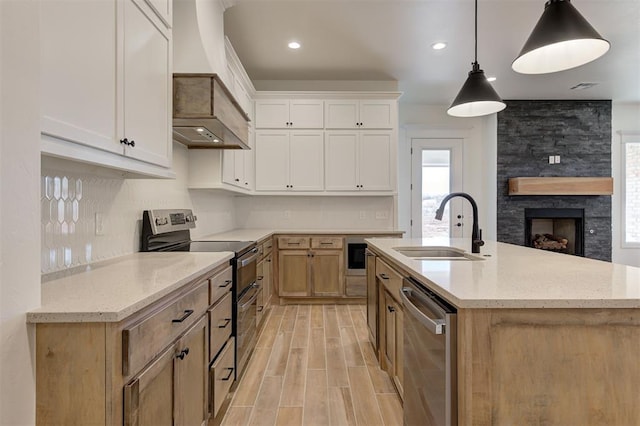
(166, 220)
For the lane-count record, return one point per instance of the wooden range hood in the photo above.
(561, 186)
(206, 115)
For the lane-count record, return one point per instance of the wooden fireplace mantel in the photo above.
(561, 186)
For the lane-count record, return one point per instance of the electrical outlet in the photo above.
(552, 159)
(557, 159)
(287, 214)
(363, 214)
(99, 224)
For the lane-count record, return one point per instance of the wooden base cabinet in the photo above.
(174, 386)
(308, 269)
(152, 368)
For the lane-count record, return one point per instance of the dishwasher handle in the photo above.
(436, 326)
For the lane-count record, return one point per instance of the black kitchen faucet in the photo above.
(476, 234)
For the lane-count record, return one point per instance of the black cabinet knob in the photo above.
(458, 224)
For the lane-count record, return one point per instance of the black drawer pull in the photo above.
(226, 323)
(228, 375)
(183, 353)
(391, 309)
(384, 276)
(227, 283)
(260, 308)
(186, 315)
(260, 278)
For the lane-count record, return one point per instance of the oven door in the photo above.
(247, 329)
(246, 270)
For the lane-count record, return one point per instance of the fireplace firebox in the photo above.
(554, 229)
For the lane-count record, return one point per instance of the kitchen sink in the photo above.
(436, 253)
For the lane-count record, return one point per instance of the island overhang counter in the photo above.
(541, 337)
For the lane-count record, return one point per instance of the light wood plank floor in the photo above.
(314, 365)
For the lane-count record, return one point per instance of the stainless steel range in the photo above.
(169, 230)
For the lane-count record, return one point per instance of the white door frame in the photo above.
(456, 147)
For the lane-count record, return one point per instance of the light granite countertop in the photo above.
(512, 276)
(261, 234)
(112, 290)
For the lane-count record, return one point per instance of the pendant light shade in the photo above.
(562, 39)
(477, 97)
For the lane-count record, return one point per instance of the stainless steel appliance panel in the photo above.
(246, 334)
(430, 370)
(246, 266)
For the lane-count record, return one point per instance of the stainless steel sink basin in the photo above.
(436, 253)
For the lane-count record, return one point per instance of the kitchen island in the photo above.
(542, 338)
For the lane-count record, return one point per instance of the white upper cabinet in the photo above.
(237, 166)
(147, 86)
(361, 114)
(289, 161)
(106, 83)
(289, 114)
(78, 53)
(359, 161)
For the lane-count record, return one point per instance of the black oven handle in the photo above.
(242, 262)
(253, 298)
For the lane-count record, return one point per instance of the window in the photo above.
(631, 190)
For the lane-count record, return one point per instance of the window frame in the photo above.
(626, 138)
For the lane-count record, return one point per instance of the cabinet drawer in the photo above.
(222, 376)
(326, 242)
(388, 276)
(144, 339)
(267, 246)
(219, 325)
(220, 284)
(293, 242)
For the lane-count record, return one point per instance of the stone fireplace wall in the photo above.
(580, 133)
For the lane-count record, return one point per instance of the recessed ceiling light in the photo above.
(200, 129)
(439, 45)
(294, 45)
(491, 79)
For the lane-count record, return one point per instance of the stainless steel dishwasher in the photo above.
(430, 388)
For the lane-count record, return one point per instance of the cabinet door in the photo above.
(192, 356)
(399, 376)
(268, 279)
(341, 151)
(390, 328)
(377, 114)
(293, 272)
(341, 114)
(272, 114)
(228, 166)
(249, 171)
(238, 167)
(306, 114)
(78, 78)
(272, 161)
(306, 163)
(327, 273)
(147, 84)
(148, 398)
(374, 161)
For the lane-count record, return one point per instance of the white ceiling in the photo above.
(391, 40)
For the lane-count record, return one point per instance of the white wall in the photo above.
(625, 117)
(72, 240)
(315, 212)
(479, 160)
(19, 206)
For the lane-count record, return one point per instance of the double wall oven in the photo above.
(169, 230)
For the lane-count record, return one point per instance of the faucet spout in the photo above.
(476, 233)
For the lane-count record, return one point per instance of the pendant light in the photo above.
(562, 39)
(477, 96)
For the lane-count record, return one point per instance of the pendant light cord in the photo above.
(475, 62)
